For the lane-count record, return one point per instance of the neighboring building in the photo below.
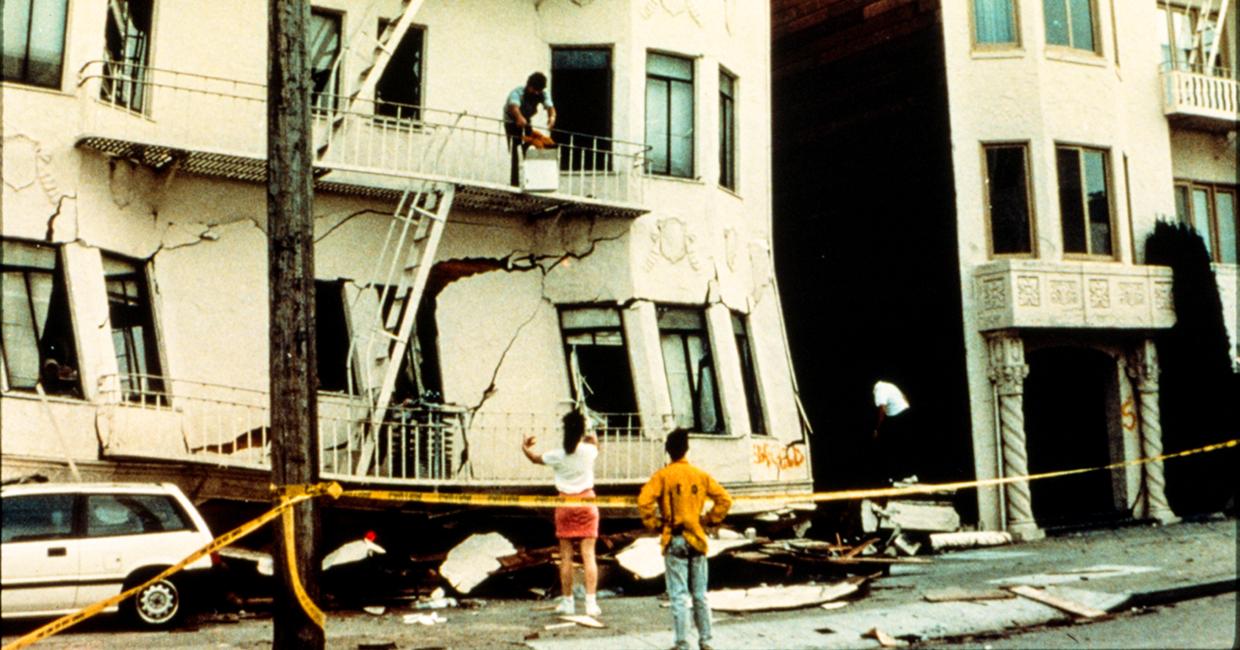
(974, 181)
(455, 313)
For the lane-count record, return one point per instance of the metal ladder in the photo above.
(1209, 20)
(364, 89)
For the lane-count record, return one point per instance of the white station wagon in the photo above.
(68, 545)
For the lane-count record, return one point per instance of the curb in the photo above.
(1167, 595)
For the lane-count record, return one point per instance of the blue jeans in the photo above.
(687, 574)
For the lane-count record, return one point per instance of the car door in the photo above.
(40, 559)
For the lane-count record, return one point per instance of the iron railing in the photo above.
(227, 117)
(172, 419)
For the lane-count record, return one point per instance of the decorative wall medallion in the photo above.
(1028, 291)
(1132, 294)
(1099, 293)
(994, 295)
(1065, 292)
(21, 160)
(673, 241)
(120, 182)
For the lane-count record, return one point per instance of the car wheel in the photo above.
(158, 604)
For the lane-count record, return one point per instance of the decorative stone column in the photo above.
(1144, 370)
(1007, 372)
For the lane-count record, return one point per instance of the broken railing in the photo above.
(148, 416)
(223, 121)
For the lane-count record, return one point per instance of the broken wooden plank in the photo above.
(856, 550)
(959, 593)
(582, 620)
(773, 598)
(1041, 596)
(885, 640)
(969, 539)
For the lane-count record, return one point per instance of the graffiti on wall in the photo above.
(775, 455)
(1128, 415)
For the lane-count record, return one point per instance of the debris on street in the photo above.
(424, 619)
(582, 620)
(780, 597)
(969, 539)
(474, 559)
(1041, 596)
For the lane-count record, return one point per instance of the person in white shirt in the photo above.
(890, 403)
(574, 478)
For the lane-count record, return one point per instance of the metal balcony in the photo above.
(1195, 100)
(161, 418)
(215, 126)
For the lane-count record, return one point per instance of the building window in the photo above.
(1070, 23)
(582, 80)
(324, 40)
(34, 41)
(399, 91)
(727, 129)
(127, 46)
(749, 374)
(331, 335)
(1211, 211)
(994, 22)
(598, 362)
(1007, 199)
(669, 115)
(690, 369)
(1181, 49)
(1084, 200)
(133, 330)
(37, 337)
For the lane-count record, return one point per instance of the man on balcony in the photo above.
(521, 106)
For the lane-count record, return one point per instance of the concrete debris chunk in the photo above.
(969, 539)
(354, 551)
(432, 618)
(921, 516)
(436, 600)
(778, 597)
(374, 610)
(471, 561)
(644, 557)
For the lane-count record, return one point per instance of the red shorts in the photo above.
(576, 522)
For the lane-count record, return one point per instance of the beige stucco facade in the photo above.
(663, 241)
(1044, 96)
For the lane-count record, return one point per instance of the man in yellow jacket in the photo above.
(673, 499)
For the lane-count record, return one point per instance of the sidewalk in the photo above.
(1105, 569)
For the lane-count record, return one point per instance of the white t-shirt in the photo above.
(887, 394)
(574, 473)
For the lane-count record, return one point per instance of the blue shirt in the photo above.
(528, 103)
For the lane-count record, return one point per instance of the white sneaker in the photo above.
(565, 606)
(592, 608)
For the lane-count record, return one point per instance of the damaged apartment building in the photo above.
(986, 174)
(455, 312)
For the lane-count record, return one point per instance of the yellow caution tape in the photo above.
(290, 554)
(293, 494)
(69, 620)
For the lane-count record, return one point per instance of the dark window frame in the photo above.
(698, 407)
(325, 81)
(1014, 25)
(25, 76)
(670, 84)
(727, 129)
(579, 149)
(400, 109)
(989, 198)
(1083, 203)
(140, 372)
(1186, 213)
(749, 374)
(623, 421)
(126, 69)
(67, 382)
(1095, 36)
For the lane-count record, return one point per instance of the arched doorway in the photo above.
(1066, 427)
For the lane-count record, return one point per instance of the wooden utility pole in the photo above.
(290, 260)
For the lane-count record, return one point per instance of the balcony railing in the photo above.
(1209, 101)
(169, 419)
(223, 122)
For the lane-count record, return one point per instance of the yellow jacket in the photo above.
(673, 498)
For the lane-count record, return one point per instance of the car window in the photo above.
(132, 514)
(36, 516)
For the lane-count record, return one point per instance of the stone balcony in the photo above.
(1015, 294)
